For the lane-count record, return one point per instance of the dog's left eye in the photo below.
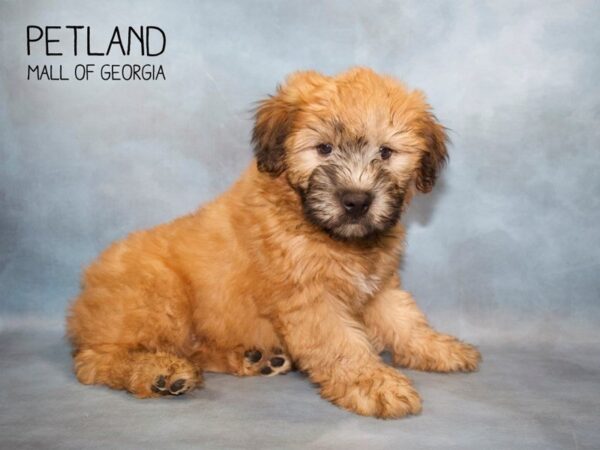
(324, 149)
(385, 152)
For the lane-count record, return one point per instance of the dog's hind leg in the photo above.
(395, 322)
(143, 373)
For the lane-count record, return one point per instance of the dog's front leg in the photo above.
(333, 349)
(395, 322)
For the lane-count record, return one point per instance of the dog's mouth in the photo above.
(346, 214)
(346, 228)
(355, 230)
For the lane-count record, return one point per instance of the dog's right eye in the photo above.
(324, 149)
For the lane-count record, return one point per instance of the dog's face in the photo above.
(353, 146)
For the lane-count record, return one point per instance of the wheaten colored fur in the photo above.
(273, 265)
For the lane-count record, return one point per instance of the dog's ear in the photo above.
(436, 153)
(274, 119)
(273, 122)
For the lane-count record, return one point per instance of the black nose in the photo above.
(356, 203)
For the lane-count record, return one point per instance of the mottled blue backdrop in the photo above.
(507, 245)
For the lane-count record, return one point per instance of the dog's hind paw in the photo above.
(162, 374)
(177, 386)
(274, 362)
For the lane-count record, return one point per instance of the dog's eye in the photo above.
(385, 152)
(324, 149)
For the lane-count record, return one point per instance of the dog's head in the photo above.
(353, 146)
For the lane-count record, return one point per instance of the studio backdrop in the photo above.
(506, 245)
(101, 135)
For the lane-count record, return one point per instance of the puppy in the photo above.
(295, 264)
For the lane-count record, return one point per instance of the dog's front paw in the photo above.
(465, 357)
(380, 392)
(440, 353)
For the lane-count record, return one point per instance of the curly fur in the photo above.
(274, 267)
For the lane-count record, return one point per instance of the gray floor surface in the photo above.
(532, 397)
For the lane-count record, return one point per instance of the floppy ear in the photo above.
(273, 122)
(275, 117)
(436, 154)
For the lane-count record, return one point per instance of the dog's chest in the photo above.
(355, 274)
(367, 284)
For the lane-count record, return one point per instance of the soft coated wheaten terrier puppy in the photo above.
(296, 263)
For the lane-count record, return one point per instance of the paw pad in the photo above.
(267, 363)
(177, 387)
(253, 356)
(160, 382)
(277, 361)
